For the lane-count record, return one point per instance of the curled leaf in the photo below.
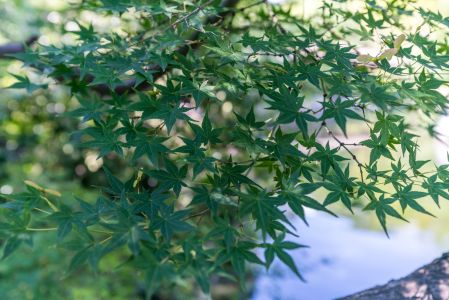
(33, 185)
(365, 58)
(398, 41)
(388, 54)
(52, 192)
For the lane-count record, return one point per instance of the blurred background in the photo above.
(346, 254)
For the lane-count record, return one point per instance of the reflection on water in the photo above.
(343, 259)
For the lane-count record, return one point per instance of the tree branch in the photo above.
(13, 48)
(428, 282)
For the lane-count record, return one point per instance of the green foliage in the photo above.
(190, 185)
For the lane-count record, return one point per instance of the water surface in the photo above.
(343, 259)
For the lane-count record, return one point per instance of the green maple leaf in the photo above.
(278, 248)
(170, 222)
(171, 178)
(151, 146)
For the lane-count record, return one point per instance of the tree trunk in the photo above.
(428, 282)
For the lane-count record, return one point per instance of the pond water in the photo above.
(344, 259)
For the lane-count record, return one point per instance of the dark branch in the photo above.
(13, 48)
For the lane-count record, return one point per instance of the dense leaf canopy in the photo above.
(228, 115)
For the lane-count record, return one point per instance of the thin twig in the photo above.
(193, 12)
(204, 211)
(353, 156)
(41, 229)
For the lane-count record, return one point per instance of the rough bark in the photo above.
(430, 282)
